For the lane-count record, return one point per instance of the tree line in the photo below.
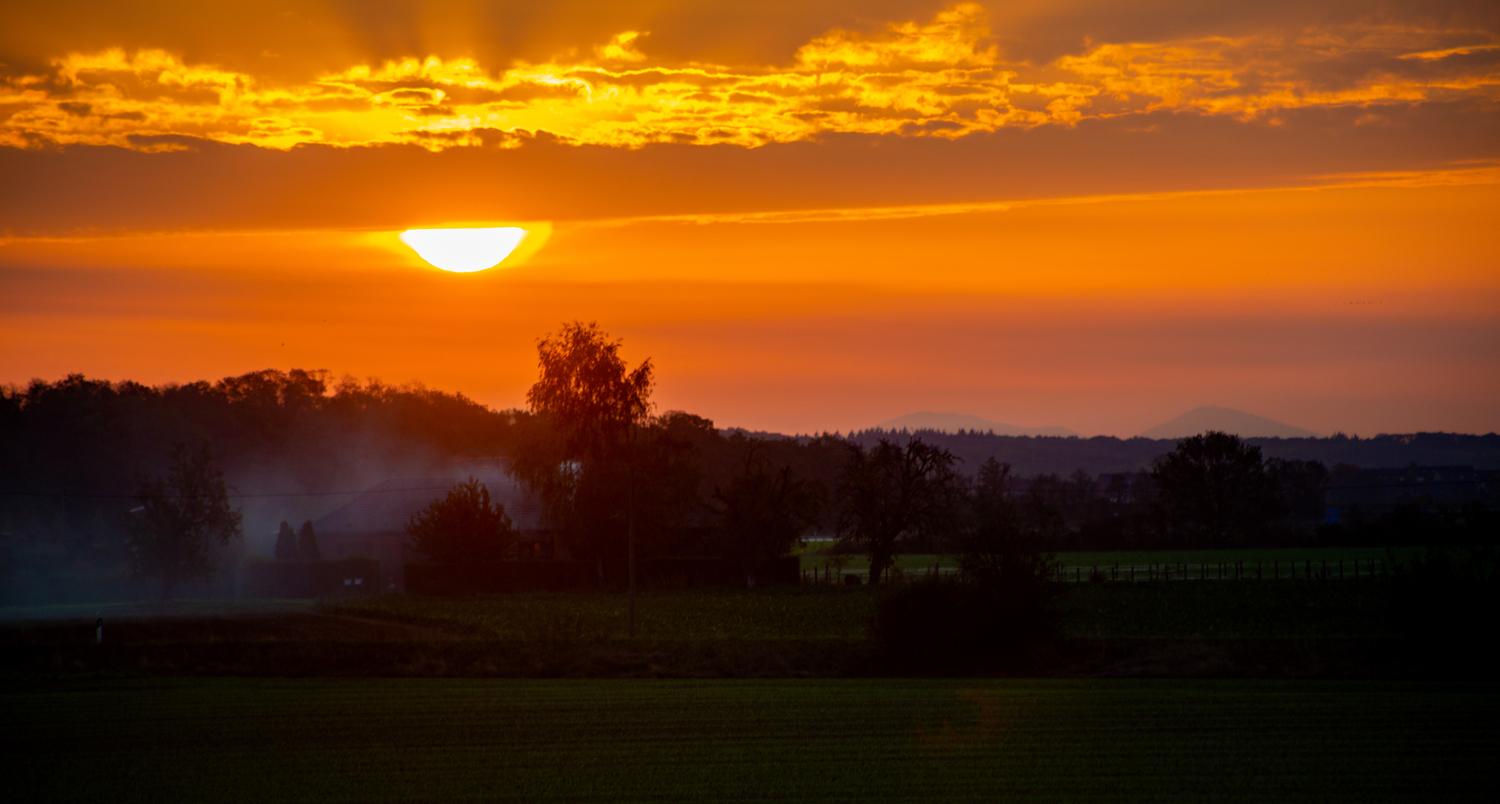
(76, 456)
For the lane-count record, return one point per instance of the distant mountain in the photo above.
(1226, 420)
(953, 422)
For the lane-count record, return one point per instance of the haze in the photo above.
(813, 216)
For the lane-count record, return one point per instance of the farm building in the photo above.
(374, 522)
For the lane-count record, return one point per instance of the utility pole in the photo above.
(630, 521)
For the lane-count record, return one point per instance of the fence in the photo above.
(1338, 569)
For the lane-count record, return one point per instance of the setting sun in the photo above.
(464, 250)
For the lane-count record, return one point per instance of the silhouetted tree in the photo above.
(180, 518)
(307, 543)
(587, 391)
(892, 493)
(1301, 486)
(764, 511)
(1005, 542)
(286, 542)
(1216, 488)
(1004, 609)
(465, 526)
(583, 468)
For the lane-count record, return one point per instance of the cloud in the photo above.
(944, 78)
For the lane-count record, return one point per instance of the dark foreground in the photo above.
(372, 740)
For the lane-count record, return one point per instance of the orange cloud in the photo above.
(944, 78)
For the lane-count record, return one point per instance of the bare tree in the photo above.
(180, 518)
(765, 511)
(894, 493)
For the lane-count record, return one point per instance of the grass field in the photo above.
(230, 740)
(693, 614)
(1246, 609)
(813, 557)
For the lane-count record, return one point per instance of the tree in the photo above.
(466, 526)
(286, 542)
(596, 406)
(894, 493)
(180, 518)
(307, 543)
(1005, 542)
(1006, 607)
(1216, 488)
(764, 511)
(579, 467)
(1302, 487)
(587, 391)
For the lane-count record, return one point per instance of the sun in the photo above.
(464, 250)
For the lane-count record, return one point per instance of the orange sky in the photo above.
(811, 215)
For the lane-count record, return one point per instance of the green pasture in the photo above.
(815, 557)
(785, 613)
(377, 740)
(1241, 609)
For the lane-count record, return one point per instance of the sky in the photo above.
(810, 215)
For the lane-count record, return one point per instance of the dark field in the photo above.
(1236, 609)
(372, 740)
(1232, 629)
(816, 556)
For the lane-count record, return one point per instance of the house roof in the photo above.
(388, 506)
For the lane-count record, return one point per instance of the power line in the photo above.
(233, 495)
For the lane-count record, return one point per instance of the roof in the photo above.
(388, 506)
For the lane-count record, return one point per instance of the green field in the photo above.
(1246, 609)
(813, 557)
(688, 614)
(229, 740)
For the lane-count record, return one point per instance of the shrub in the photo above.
(1448, 598)
(467, 526)
(948, 626)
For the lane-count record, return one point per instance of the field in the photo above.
(227, 740)
(814, 557)
(1245, 609)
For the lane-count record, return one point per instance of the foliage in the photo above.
(764, 511)
(286, 542)
(605, 469)
(587, 391)
(948, 626)
(307, 543)
(892, 493)
(1215, 488)
(1448, 597)
(466, 526)
(1003, 541)
(180, 518)
(1003, 610)
(71, 450)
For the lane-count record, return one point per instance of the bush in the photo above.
(946, 626)
(1448, 598)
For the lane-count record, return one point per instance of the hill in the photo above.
(1225, 420)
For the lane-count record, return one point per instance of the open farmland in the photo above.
(227, 740)
(816, 557)
(1240, 609)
